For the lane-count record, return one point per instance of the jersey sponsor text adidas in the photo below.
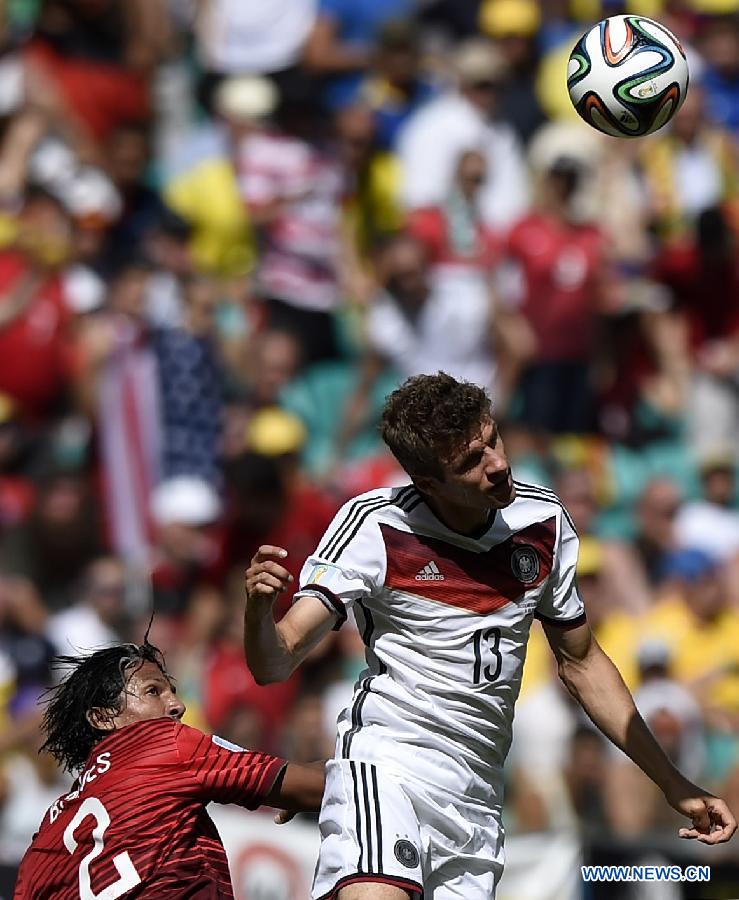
(430, 572)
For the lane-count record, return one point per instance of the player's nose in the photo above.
(176, 708)
(495, 464)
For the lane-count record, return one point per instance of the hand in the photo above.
(282, 816)
(265, 578)
(712, 820)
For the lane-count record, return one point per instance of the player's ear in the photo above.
(100, 718)
(426, 484)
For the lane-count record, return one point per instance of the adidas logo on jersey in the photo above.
(430, 572)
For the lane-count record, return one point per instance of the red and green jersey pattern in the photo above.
(135, 823)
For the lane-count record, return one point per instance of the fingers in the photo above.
(715, 824)
(265, 577)
(720, 836)
(267, 586)
(266, 551)
(282, 816)
(274, 569)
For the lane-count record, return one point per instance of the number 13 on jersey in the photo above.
(488, 658)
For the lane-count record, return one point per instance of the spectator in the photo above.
(514, 25)
(396, 86)
(655, 538)
(195, 636)
(690, 169)
(98, 615)
(59, 539)
(34, 338)
(127, 153)
(559, 261)
(293, 186)
(585, 776)
(424, 319)
(16, 487)
(118, 370)
(97, 56)
(455, 232)
(341, 43)
(719, 44)
(274, 363)
(703, 633)
(633, 806)
(232, 698)
(461, 119)
(186, 547)
(270, 499)
(233, 39)
(25, 648)
(703, 277)
(711, 522)
(371, 203)
(192, 385)
(202, 182)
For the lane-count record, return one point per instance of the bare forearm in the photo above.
(597, 685)
(267, 655)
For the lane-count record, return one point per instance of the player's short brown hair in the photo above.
(429, 417)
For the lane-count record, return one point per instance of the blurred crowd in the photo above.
(228, 229)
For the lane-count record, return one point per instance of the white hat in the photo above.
(185, 500)
(478, 59)
(91, 194)
(245, 98)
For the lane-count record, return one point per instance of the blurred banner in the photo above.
(270, 862)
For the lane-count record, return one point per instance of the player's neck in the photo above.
(461, 519)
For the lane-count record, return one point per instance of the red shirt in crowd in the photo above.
(706, 292)
(560, 266)
(431, 226)
(136, 817)
(35, 352)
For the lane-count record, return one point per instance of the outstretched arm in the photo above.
(298, 788)
(275, 649)
(594, 681)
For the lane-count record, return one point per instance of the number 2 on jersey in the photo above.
(129, 877)
(488, 658)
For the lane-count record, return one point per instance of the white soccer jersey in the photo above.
(445, 618)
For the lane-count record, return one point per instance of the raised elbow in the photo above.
(264, 675)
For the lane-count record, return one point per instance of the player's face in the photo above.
(478, 476)
(149, 694)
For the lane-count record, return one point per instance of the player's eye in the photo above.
(470, 462)
(152, 690)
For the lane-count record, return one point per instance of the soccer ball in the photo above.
(627, 76)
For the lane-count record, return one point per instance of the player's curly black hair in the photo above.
(428, 418)
(97, 681)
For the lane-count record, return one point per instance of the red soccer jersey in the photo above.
(135, 824)
(560, 265)
(34, 347)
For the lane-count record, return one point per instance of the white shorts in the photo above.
(377, 826)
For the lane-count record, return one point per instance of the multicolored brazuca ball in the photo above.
(627, 76)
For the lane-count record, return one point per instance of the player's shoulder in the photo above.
(363, 513)
(372, 504)
(532, 498)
